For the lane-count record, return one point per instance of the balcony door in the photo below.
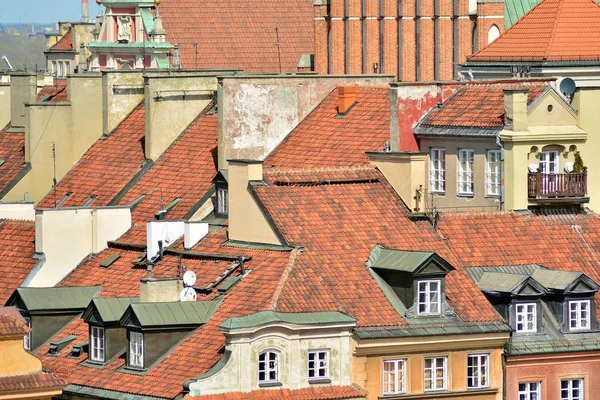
(549, 170)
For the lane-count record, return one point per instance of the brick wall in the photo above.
(345, 20)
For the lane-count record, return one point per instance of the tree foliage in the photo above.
(22, 52)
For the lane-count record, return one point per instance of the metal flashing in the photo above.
(460, 328)
(115, 200)
(108, 261)
(270, 317)
(57, 298)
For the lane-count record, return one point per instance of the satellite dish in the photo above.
(567, 87)
(188, 294)
(533, 168)
(189, 278)
(569, 167)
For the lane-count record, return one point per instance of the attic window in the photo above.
(579, 315)
(526, 317)
(429, 297)
(27, 338)
(97, 343)
(136, 350)
(222, 209)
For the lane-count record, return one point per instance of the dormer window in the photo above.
(429, 297)
(268, 367)
(27, 338)
(97, 343)
(136, 350)
(579, 315)
(526, 317)
(222, 198)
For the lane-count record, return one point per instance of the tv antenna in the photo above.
(278, 44)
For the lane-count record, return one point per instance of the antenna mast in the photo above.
(54, 172)
(278, 47)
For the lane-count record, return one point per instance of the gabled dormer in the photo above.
(48, 310)
(413, 281)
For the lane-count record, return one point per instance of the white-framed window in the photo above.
(571, 389)
(492, 175)
(530, 391)
(437, 170)
(526, 317)
(54, 68)
(136, 349)
(579, 315)
(27, 338)
(478, 371)
(429, 295)
(465, 171)
(222, 198)
(67, 68)
(318, 364)
(268, 367)
(97, 344)
(436, 373)
(394, 376)
(549, 161)
(61, 69)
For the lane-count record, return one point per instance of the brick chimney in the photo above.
(515, 109)
(346, 98)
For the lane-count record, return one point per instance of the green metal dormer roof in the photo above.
(55, 299)
(414, 262)
(169, 314)
(108, 310)
(270, 317)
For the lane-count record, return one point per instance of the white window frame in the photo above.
(530, 390)
(320, 360)
(67, 68)
(478, 371)
(493, 172)
(61, 69)
(579, 308)
(550, 162)
(222, 198)
(437, 170)
(97, 343)
(466, 158)
(54, 68)
(265, 367)
(394, 378)
(522, 311)
(569, 395)
(427, 302)
(136, 349)
(27, 338)
(433, 368)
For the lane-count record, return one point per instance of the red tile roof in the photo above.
(339, 223)
(480, 104)
(323, 140)
(312, 393)
(554, 30)
(55, 93)
(240, 33)
(199, 351)
(11, 325)
(106, 167)
(21, 383)
(65, 43)
(17, 249)
(12, 151)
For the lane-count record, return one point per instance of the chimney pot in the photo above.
(347, 98)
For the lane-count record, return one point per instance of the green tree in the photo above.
(578, 165)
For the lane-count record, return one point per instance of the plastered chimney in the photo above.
(23, 89)
(155, 290)
(346, 98)
(515, 109)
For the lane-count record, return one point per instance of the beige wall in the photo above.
(18, 210)
(15, 360)
(256, 112)
(122, 91)
(67, 235)
(293, 343)
(367, 368)
(4, 104)
(173, 101)
(23, 90)
(450, 199)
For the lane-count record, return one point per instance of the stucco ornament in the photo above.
(124, 28)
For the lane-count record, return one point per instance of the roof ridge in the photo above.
(319, 170)
(554, 28)
(283, 279)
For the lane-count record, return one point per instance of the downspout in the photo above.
(499, 143)
(503, 376)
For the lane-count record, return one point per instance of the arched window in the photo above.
(268, 367)
(493, 34)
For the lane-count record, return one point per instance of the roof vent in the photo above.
(58, 345)
(108, 261)
(79, 349)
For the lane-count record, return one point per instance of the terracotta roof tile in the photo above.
(240, 33)
(106, 167)
(27, 382)
(65, 43)
(17, 249)
(55, 93)
(322, 140)
(339, 223)
(10, 325)
(312, 393)
(12, 151)
(554, 30)
(479, 104)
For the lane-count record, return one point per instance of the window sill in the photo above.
(319, 381)
(438, 193)
(441, 394)
(465, 195)
(269, 384)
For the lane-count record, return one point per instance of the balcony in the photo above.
(557, 188)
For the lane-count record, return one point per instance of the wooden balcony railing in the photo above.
(550, 186)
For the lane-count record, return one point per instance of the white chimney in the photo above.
(193, 232)
(166, 232)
